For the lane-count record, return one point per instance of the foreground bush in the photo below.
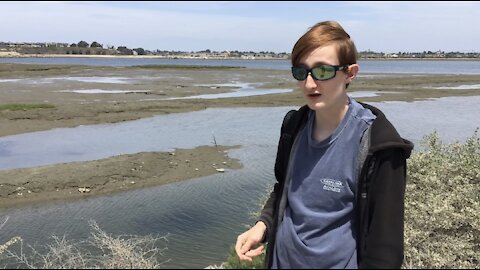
(101, 251)
(442, 205)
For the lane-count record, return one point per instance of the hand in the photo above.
(249, 243)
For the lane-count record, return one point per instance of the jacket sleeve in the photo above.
(267, 213)
(383, 247)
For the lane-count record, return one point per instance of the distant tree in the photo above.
(124, 50)
(140, 51)
(96, 45)
(73, 45)
(82, 44)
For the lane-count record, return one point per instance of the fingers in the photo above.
(255, 252)
(244, 249)
(244, 246)
(247, 246)
(240, 246)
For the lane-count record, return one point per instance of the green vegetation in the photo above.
(234, 263)
(24, 107)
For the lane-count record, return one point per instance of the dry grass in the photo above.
(10, 242)
(101, 251)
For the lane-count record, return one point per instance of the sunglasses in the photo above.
(320, 73)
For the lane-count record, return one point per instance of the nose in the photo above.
(310, 82)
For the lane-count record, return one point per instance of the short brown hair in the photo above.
(322, 34)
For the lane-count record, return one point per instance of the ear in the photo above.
(352, 72)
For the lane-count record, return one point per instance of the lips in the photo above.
(314, 95)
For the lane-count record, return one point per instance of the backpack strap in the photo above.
(363, 152)
(292, 123)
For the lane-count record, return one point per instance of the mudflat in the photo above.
(42, 97)
(78, 180)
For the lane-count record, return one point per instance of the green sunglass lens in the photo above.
(323, 72)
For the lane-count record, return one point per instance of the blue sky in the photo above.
(243, 26)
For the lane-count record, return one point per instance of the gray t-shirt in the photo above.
(317, 230)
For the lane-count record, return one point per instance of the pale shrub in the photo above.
(442, 205)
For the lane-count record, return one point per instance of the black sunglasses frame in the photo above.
(309, 71)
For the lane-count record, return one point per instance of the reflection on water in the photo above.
(102, 91)
(459, 87)
(95, 79)
(203, 216)
(238, 93)
(357, 94)
(243, 90)
(9, 80)
(229, 126)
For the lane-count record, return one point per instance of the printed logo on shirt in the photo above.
(332, 185)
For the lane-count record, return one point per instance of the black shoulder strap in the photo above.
(287, 122)
(363, 152)
(293, 121)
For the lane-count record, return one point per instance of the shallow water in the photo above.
(459, 87)
(102, 91)
(241, 90)
(357, 94)
(229, 126)
(202, 216)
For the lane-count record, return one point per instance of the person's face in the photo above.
(324, 94)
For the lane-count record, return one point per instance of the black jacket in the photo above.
(381, 180)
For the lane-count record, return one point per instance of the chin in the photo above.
(316, 105)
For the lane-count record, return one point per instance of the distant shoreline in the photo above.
(4, 55)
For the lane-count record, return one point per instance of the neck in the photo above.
(328, 119)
